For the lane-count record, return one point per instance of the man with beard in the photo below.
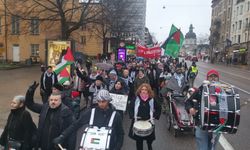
(54, 118)
(48, 79)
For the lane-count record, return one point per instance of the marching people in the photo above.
(87, 82)
(192, 73)
(48, 79)
(144, 108)
(88, 64)
(119, 88)
(19, 130)
(205, 140)
(54, 118)
(95, 88)
(183, 66)
(140, 79)
(99, 117)
(177, 82)
(125, 77)
(113, 77)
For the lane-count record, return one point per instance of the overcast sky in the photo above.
(161, 14)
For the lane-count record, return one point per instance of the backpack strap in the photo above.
(111, 119)
(92, 117)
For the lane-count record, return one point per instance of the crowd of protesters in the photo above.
(60, 114)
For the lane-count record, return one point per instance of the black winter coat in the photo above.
(51, 122)
(144, 114)
(19, 127)
(101, 119)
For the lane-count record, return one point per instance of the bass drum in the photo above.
(220, 105)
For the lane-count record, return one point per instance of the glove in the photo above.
(33, 86)
(58, 140)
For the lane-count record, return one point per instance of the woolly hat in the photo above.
(212, 71)
(113, 72)
(103, 95)
(58, 86)
(99, 78)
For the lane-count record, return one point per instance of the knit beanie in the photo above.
(213, 71)
(99, 78)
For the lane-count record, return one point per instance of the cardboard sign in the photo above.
(119, 101)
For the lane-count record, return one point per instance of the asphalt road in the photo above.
(14, 82)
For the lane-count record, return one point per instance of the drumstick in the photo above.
(60, 146)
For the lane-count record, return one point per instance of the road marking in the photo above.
(236, 75)
(233, 85)
(224, 143)
(237, 88)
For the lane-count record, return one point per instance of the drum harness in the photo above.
(107, 128)
(151, 104)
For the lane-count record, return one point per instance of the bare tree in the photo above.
(69, 15)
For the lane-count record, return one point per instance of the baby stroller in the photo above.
(178, 119)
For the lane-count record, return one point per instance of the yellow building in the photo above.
(21, 39)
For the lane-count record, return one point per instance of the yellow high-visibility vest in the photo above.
(194, 69)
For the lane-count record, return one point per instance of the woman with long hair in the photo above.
(143, 109)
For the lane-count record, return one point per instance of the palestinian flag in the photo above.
(173, 43)
(95, 141)
(67, 59)
(64, 75)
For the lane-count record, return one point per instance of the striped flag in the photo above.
(63, 68)
(67, 59)
(64, 75)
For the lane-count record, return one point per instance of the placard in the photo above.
(119, 101)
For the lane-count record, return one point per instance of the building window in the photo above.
(247, 23)
(240, 23)
(229, 13)
(238, 38)
(83, 40)
(34, 49)
(15, 24)
(241, 9)
(34, 26)
(248, 6)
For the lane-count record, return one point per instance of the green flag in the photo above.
(173, 43)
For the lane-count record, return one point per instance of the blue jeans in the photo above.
(204, 139)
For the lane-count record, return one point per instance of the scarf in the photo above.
(137, 104)
(144, 97)
(47, 74)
